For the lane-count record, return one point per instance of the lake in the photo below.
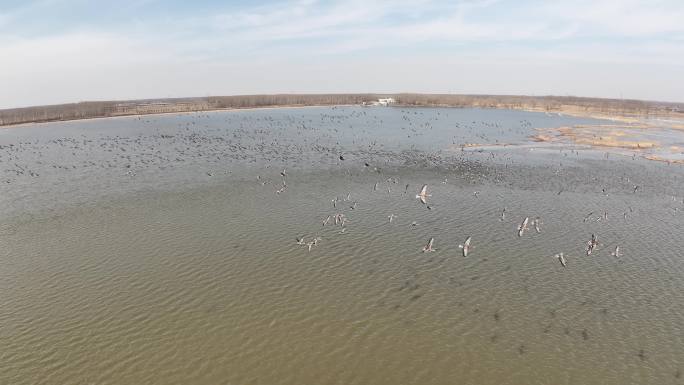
(158, 250)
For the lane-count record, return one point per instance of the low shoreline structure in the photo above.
(616, 109)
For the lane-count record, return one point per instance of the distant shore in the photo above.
(152, 114)
(627, 111)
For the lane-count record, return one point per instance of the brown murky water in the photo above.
(199, 280)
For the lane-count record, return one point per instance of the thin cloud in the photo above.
(338, 46)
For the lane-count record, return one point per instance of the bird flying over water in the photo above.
(422, 195)
(523, 226)
(465, 246)
(536, 223)
(591, 244)
(313, 242)
(428, 247)
(561, 259)
(616, 253)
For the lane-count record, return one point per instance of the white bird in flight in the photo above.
(523, 226)
(428, 247)
(591, 244)
(537, 222)
(561, 259)
(465, 246)
(313, 242)
(422, 195)
(616, 253)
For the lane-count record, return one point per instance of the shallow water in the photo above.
(170, 275)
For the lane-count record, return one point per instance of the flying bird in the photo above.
(536, 223)
(465, 246)
(591, 244)
(428, 247)
(422, 195)
(523, 226)
(561, 259)
(616, 253)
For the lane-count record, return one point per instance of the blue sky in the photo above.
(55, 51)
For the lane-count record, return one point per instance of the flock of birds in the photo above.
(299, 140)
(422, 195)
(286, 139)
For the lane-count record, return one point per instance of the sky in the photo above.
(61, 51)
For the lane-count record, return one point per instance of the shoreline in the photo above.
(625, 111)
(14, 125)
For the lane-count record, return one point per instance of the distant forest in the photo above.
(86, 110)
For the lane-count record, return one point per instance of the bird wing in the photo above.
(423, 190)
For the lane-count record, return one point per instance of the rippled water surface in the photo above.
(157, 251)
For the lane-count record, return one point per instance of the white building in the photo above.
(385, 102)
(380, 102)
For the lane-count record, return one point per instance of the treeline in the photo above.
(546, 103)
(247, 101)
(86, 110)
